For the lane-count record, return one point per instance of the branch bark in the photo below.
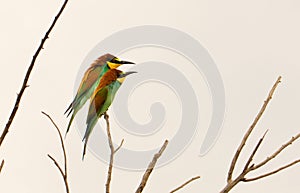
(1, 166)
(112, 153)
(273, 172)
(184, 184)
(284, 146)
(254, 152)
(150, 168)
(249, 131)
(249, 166)
(25, 81)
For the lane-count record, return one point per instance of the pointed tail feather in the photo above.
(72, 110)
(69, 125)
(84, 148)
(87, 133)
(69, 109)
(85, 139)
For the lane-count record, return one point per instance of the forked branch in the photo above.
(249, 166)
(112, 153)
(249, 131)
(150, 167)
(63, 172)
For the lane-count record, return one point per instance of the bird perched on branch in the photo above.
(102, 98)
(90, 81)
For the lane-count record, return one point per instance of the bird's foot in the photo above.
(106, 116)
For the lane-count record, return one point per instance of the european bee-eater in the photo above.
(102, 98)
(90, 81)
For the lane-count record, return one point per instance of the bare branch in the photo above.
(61, 141)
(249, 131)
(150, 168)
(254, 151)
(24, 85)
(273, 172)
(112, 153)
(248, 167)
(186, 183)
(1, 166)
(119, 146)
(63, 173)
(111, 160)
(57, 165)
(284, 146)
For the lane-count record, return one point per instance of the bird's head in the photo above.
(112, 61)
(116, 62)
(122, 76)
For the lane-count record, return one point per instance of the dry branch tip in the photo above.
(184, 184)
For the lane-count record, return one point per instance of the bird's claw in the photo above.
(106, 116)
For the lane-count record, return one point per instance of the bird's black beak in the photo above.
(127, 73)
(125, 62)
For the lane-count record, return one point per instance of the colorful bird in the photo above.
(90, 81)
(102, 99)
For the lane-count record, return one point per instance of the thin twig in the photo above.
(119, 146)
(186, 183)
(112, 153)
(150, 168)
(284, 146)
(25, 81)
(1, 166)
(254, 152)
(242, 144)
(63, 173)
(57, 165)
(271, 173)
(246, 169)
(61, 141)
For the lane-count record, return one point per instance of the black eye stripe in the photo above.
(115, 61)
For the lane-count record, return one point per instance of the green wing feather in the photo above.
(87, 86)
(95, 111)
(100, 103)
(90, 77)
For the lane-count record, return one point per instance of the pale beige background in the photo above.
(252, 43)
